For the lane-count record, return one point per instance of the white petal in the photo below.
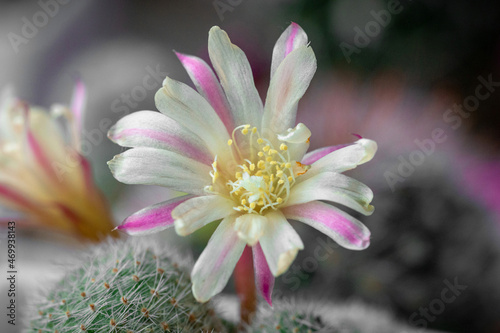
(287, 87)
(292, 38)
(217, 262)
(236, 78)
(150, 166)
(155, 130)
(280, 243)
(198, 212)
(297, 140)
(250, 227)
(336, 224)
(336, 187)
(186, 106)
(343, 159)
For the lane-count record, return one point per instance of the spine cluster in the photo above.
(124, 287)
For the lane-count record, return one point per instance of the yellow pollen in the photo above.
(264, 172)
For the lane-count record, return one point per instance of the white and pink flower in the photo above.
(242, 162)
(44, 178)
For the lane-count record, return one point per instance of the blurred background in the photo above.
(421, 78)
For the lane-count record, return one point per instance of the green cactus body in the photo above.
(124, 287)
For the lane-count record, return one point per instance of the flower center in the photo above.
(264, 179)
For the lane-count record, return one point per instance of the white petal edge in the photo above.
(292, 38)
(217, 261)
(344, 229)
(250, 227)
(235, 75)
(197, 212)
(286, 88)
(280, 243)
(186, 106)
(335, 187)
(343, 159)
(151, 166)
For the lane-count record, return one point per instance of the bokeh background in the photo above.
(395, 78)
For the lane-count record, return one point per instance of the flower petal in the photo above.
(280, 243)
(152, 166)
(297, 139)
(250, 227)
(336, 187)
(291, 39)
(208, 86)
(216, 263)
(184, 105)
(16, 199)
(264, 279)
(341, 227)
(78, 103)
(236, 78)
(198, 212)
(153, 218)
(317, 154)
(155, 130)
(287, 87)
(343, 159)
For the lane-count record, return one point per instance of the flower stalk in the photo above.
(245, 286)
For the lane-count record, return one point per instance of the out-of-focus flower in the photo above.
(241, 162)
(45, 178)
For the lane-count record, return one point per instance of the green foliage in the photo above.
(125, 287)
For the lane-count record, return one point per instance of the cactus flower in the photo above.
(241, 162)
(44, 178)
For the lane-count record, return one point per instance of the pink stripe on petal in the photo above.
(264, 279)
(207, 85)
(16, 198)
(170, 141)
(86, 173)
(226, 250)
(39, 154)
(153, 218)
(341, 227)
(317, 154)
(78, 103)
(291, 39)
